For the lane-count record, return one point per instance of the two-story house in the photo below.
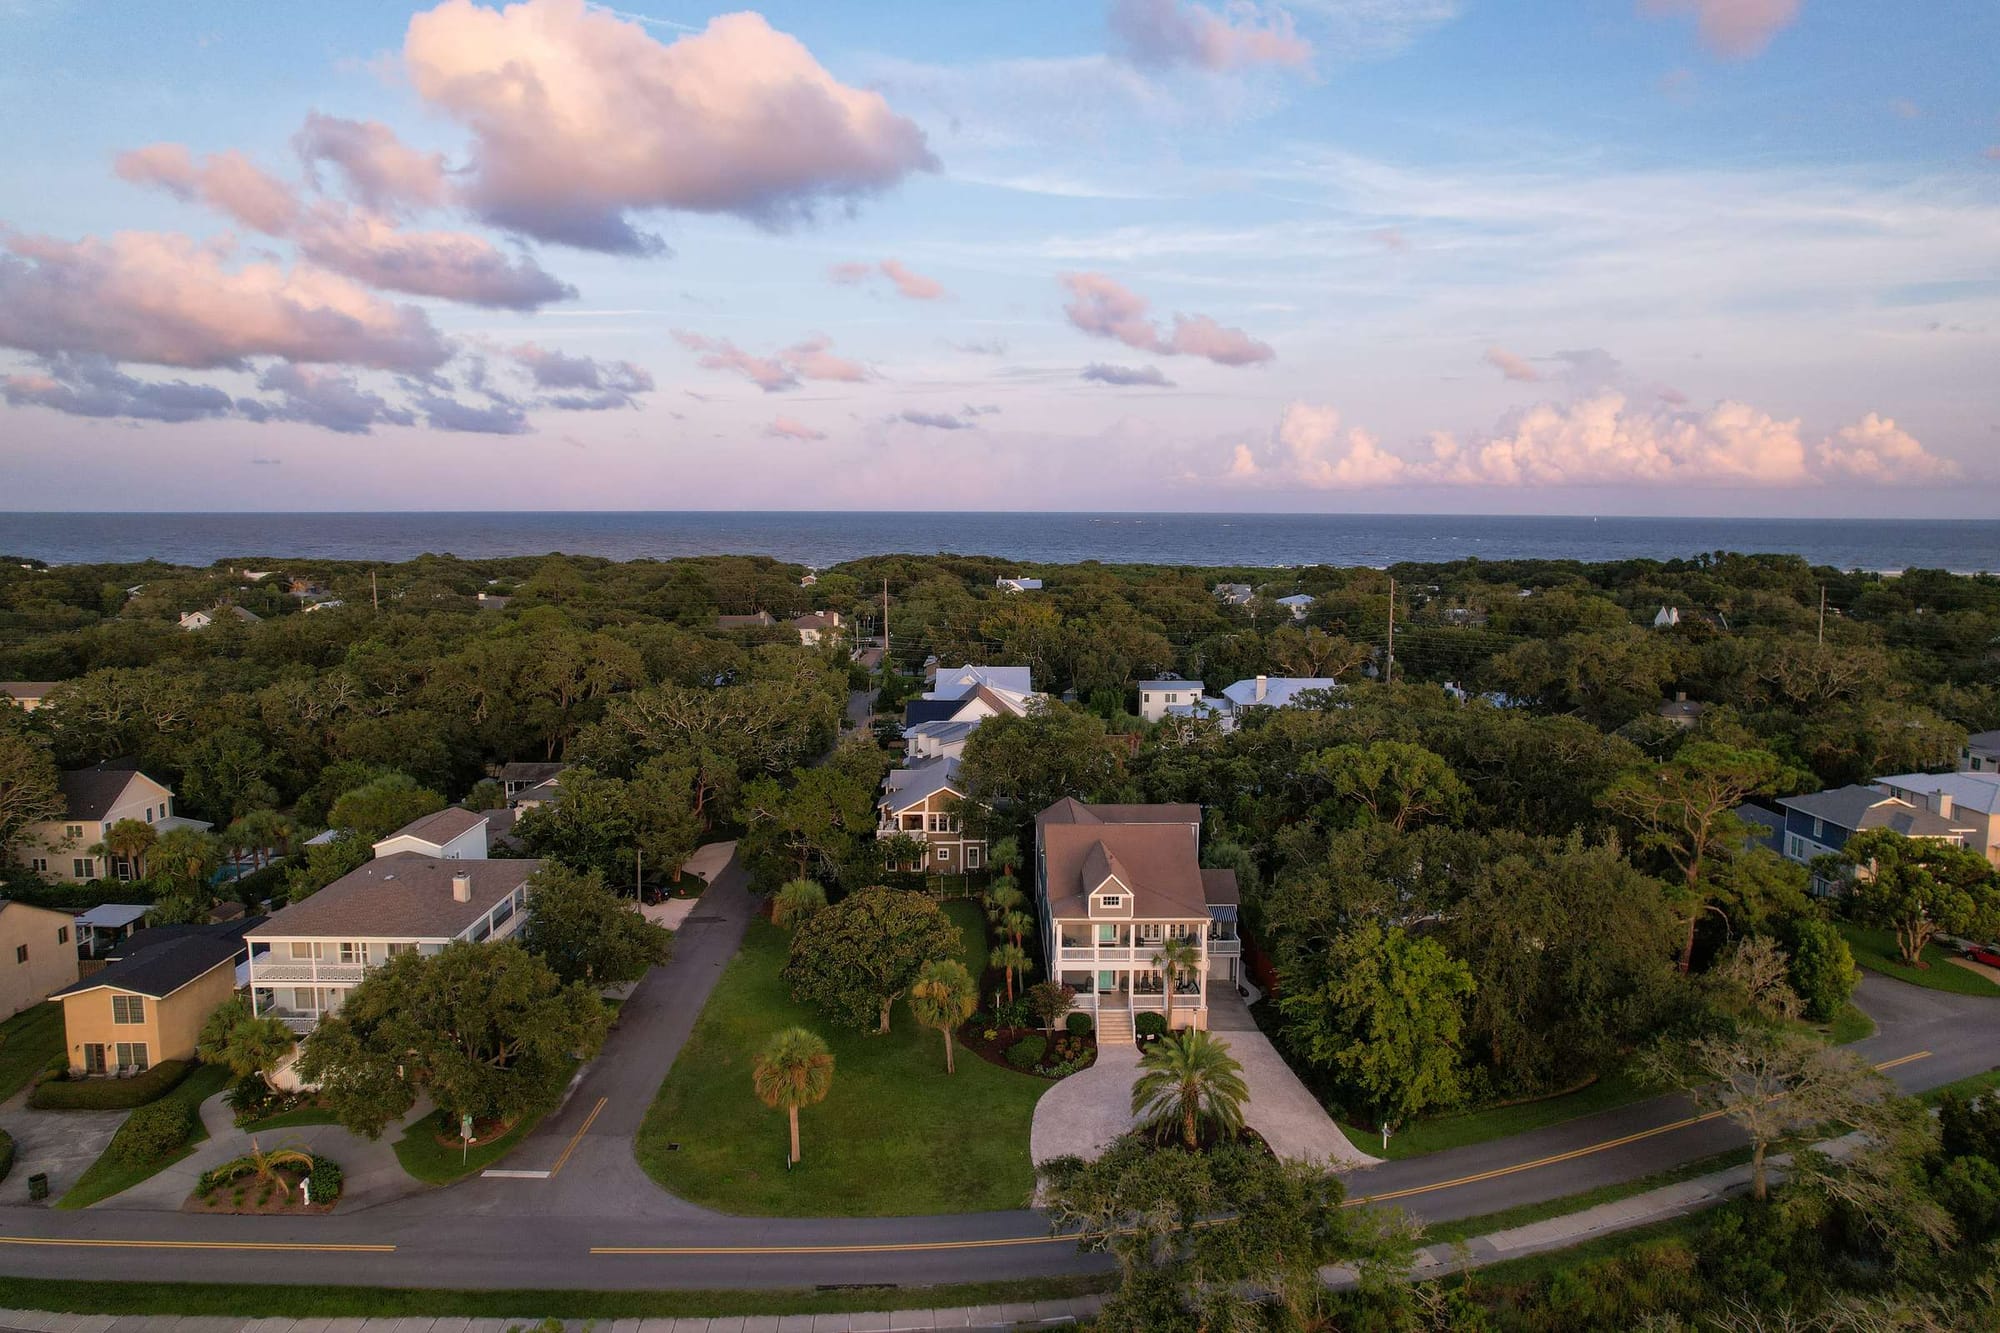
(1158, 696)
(37, 955)
(518, 777)
(1980, 753)
(305, 958)
(1819, 824)
(450, 834)
(818, 627)
(1968, 799)
(93, 800)
(921, 803)
(1299, 604)
(150, 1003)
(27, 695)
(1112, 884)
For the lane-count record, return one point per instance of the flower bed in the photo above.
(444, 1128)
(250, 1186)
(1017, 1048)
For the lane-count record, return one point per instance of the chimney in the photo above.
(461, 888)
(1262, 683)
(1680, 696)
(1943, 803)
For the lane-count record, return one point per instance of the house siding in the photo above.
(50, 939)
(172, 1025)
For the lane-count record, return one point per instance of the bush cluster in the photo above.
(1080, 1024)
(108, 1094)
(152, 1132)
(1150, 1025)
(6, 1153)
(1028, 1051)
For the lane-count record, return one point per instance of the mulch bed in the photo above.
(483, 1133)
(994, 1052)
(258, 1200)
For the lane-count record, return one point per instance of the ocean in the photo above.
(824, 538)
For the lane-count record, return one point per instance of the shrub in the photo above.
(1027, 1052)
(251, 1098)
(152, 1132)
(6, 1153)
(325, 1179)
(1150, 1025)
(109, 1094)
(1823, 970)
(1079, 1024)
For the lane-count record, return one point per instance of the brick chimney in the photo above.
(461, 888)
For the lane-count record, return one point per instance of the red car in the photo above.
(1983, 953)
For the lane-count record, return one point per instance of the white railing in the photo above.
(298, 1023)
(288, 972)
(1227, 948)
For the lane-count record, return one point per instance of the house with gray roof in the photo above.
(1971, 799)
(305, 958)
(70, 849)
(26, 694)
(1820, 823)
(450, 834)
(1299, 604)
(1980, 753)
(921, 801)
(1234, 594)
(1274, 691)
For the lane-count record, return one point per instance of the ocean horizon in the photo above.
(826, 537)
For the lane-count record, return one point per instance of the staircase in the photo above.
(1113, 1025)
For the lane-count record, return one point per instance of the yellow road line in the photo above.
(1901, 1060)
(197, 1245)
(577, 1138)
(903, 1247)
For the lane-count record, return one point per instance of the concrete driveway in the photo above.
(61, 1143)
(1082, 1114)
(1280, 1108)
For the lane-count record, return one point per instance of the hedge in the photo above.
(6, 1153)
(109, 1094)
(153, 1132)
(1028, 1051)
(1150, 1025)
(1079, 1024)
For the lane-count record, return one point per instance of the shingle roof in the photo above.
(89, 793)
(113, 916)
(26, 689)
(162, 969)
(440, 827)
(1968, 791)
(961, 681)
(530, 773)
(1157, 862)
(905, 787)
(1983, 740)
(153, 936)
(930, 710)
(1219, 887)
(1069, 810)
(1279, 691)
(402, 896)
(1856, 808)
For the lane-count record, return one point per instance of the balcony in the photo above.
(305, 972)
(1229, 948)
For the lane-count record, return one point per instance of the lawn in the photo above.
(28, 1041)
(896, 1136)
(304, 1115)
(1498, 1122)
(1876, 951)
(430, 1161)
(106, 1177)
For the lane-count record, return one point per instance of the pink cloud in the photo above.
(579, 117)
(227, 182)
(1105, 308)
(1733, 29)
(907, 282)
(91, 386)
(1510, 366)
(850, 274)
(811, 359)
(454, 265)
(785, 428)
(584, 384)
(164, 299)
(381, 172)
(1164, 33)
(1595, 441)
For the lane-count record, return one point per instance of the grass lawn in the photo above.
(304, 1115)
(1876, 951)
(281, 1299)
(106, 1177)
(1498, 1122)
(1971, 1086)
(896, 1136)
(28, 1041)
(1849, 1025)
(430, 1161)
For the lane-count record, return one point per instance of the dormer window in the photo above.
(1111, 902)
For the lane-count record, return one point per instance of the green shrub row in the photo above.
(108, 1094)
(153, 1132)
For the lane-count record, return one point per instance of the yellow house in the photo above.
(148, 1006)
(37, 954)
(94, 799)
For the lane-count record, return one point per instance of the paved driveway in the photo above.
(61, 1143)
(1280, 1108)
(1083, 1113)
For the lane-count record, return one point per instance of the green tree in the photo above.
(1012, 960)
(1177, 959)
(1050, 1001)
(943, 996)
(379, 807)
(30, 792)
(1004, 854)
(128, 840)
(486, 794)
(793, 1070)
(794, 901)
(1026, 764)
(1186, 1081)
(814, 824)
(324, 862)
(1389, 1018)
(486, 1030)
(1823, 970)
(1395, 782)
(180, 868)
(1917, 888)
(586, 933)
(589, 830)
(855, 959)
(248, 1044)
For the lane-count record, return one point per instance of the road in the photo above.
(596, 1221)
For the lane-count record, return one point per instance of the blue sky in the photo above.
(1611, 256)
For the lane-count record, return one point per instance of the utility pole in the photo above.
(639, 874)
(885, 629)
(1822, 615)
(374, 591)
(1389, 671)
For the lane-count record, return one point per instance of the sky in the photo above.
(1730, 257)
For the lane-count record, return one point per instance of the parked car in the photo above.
(1983, 953)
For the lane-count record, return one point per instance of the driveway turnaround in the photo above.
(60, 1144)
(1290, 1118)
(1080, 1116)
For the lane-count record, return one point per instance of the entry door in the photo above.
(1107, 982)
(93, 1058)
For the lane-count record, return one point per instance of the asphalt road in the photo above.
(597, 1221)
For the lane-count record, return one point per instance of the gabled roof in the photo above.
(756, 620)
(530, 772)
(403, 896)
(1101, 866)
(943, 732)
(1968, 791)
(440, 827)
(27, 689)
(1157, 862)
(919, 711)
(1279, 691)
(905, 787)
(1298, 599)
(113, 916)
(958, 682)
(1856, 808)
(1983, 740)
(89, 793)
(162, 969)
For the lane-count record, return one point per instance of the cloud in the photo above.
(162, 298)
(1510, 366)
(980, 347)
(933, 420)
(381, 172)
(1104, 308)
(1594, 441)
(321, 397)
(1168, 33)
(808, 360)
(589, 385)
(227, 182)
(785, 428)
(1733, 29)
(914, 285)
(444, 412)
(579, 118)
(90, 386)
(1125, 375)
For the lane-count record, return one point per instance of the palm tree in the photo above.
(128, 840)
(1004, 896)
(264, 1166)
(1186, 1080)
(1012, 958)
(1006, 854)
(1014, 925)
(1177, 960)
(796, 901)
(794, 1069)
(248, 1044)
(942, 997)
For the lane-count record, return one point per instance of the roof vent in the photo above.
(461, 888)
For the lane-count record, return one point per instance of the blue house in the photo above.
(1821, 823)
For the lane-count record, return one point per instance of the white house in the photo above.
(452, 834)
(817, 628)
(1156, 697)
(956, 683)
(203, 619)
(93, 800)
(1667, 617)
(1969, 800)
(938, 740)
(1298, 604)
(305, 958)
(1235, 594)
(1017, 585)
(1274, 691)
(28, 695)
(1980, 753)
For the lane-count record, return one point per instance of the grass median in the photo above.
(1876, 950)
(897, 1136)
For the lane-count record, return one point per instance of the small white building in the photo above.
(1667, 617)
(1299, 604)
(1156, 697)
(452, 834)
(1234, 594)
(1018, 585)
(27, 695)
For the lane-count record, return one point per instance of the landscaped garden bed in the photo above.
(1030, 1050)
(286, 1182)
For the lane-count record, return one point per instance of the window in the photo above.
(944, 856)
(62, 934)
(1111, 902)
(304, 999)
(303, 950)
(503, 913)
(351, 952)
(1149, 933)
(973, 856)
(132, 1056)
(403, 948)
(21, 953)
(913, 823)
(93, 1058)
(128, 1009)
(41, 865)
(83, 868)
(149, 814)
(1819, 829)
(73, 831)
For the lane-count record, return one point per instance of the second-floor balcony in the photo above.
(286, 972)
